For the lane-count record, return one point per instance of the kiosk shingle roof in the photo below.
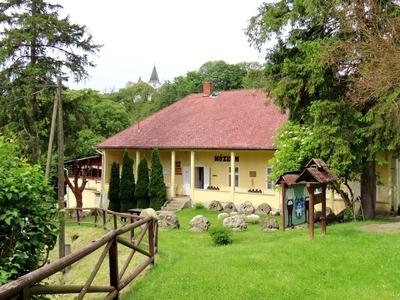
(242, 119)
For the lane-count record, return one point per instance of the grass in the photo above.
(346, 264)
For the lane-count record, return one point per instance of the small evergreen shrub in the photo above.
(113, 190)
(198, 205)
(142, 185)
(127, 184)
(221, 236)
(157, 189)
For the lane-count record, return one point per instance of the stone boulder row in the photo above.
(269, 224)
(330, 216)
(275, 212)
(253, 218)
(263, 209)
(230, 207)
(222, 216)
(215, 206)
(199, 223)
(246, 208)
(236, 223)
(168, 220)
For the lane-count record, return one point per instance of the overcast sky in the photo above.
(175, 35)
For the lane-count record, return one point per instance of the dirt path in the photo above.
(384, 228)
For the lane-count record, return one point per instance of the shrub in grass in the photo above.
(113, 190)
(221, 236)
(198, 205)
(127, 184)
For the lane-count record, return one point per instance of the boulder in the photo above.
(263, 209)
(246, 208)
(269, 224)
(234, 213)
(215, 206)
(236, 223)
(230, 207)
(168, 220)
(253, 219)
(222, 216)
(148, 212)
(199, 223)
(330, 216)
(275, 212)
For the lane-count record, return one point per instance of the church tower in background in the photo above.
(154, 80)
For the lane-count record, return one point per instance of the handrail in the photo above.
(28, 283)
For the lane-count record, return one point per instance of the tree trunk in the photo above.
(368, 190)
(78, 197)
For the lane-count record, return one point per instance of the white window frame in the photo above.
(236, 173)
(269, 184)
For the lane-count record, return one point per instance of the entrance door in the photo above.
(202, 177)
(186, 180)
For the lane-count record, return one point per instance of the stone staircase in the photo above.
(176, 203)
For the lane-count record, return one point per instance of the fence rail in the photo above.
(29, 284)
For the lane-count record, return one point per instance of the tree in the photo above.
(157, 188)
(75, 187)
(28, 215)
(301, 73)
(113, 190)
(127, 184)
(36, 47)
(142, 185)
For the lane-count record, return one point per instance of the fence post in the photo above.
(95, 217)
(104, 219)
(132, 232)
(156, 243)
(115, 221)
(151, 240)
(113, 264)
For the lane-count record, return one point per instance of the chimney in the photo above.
(207, 88)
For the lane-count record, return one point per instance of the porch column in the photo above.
(137, 165)
(192, 175)
(172, 174)
(233, 176)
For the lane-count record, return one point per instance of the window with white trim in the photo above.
(269, 182)
(236, 176)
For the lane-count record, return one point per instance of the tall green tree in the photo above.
(36, 46)
(127, 184)
(142, 185)
(157, 188)
(304, 79)
(113, 189)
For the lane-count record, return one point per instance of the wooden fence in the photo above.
(29, 284)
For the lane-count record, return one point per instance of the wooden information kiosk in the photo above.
(301, 191)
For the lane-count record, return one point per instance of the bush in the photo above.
(142, 185)
(113, 191)
(221, 236)
(198, 205)
(127, 184)
(157, 189)
(28, 215)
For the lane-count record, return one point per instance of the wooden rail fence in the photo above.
(28, 285)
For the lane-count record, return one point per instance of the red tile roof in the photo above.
(242, 119)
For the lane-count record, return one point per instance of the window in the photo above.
(236, 176)
(269, 182)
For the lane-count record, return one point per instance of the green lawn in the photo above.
(346, 264)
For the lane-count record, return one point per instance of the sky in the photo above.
(176, 36)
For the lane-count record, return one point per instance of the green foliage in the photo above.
(142, 185)
(198, 205)
(157, 188)
(37, 45)
(113, 190)
(127, 184)
(28, 215)
(221, 236)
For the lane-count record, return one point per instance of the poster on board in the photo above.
(295, 205)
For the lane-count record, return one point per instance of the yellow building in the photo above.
(208, 141)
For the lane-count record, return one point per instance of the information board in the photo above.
(295, 205)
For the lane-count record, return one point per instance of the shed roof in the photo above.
(242, 119)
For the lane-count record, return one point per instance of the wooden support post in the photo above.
(104, 219)
(323, 211)
(115, 221)
(95, 217)
(78, 219)
(310, 190)
(283, 191)
(151, 240)
(131, 232)
(113, 266)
